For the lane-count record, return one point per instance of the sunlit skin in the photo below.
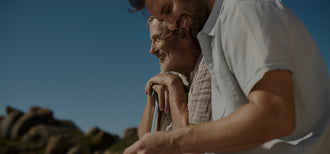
(180, 14)
(169, 11)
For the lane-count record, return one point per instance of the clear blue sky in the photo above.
(88, 60)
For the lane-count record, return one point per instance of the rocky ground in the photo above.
(38, 132)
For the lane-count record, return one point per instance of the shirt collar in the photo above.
(209, 25)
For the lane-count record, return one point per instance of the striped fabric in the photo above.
(199, 98)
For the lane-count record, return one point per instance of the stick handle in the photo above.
(156, 113)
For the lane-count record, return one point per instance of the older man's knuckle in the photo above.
(140, 145)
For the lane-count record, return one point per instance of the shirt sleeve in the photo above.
(255, 40)
(199, 99)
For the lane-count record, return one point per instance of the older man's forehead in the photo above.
(159, 31)
(154, 28)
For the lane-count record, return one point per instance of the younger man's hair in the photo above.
(137, 5)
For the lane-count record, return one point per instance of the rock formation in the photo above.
(38, 132)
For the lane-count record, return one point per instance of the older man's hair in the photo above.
(165, 32)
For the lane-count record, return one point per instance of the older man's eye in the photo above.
(157, 39)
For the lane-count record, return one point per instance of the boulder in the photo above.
(80, 149)
(102, 140)
(130, 136)
(34, 109)
(10, 109)
(65, 123)
(8, 122)
(43, 132)
(27, 148)
(93, 131)
(130, 132)
(29, 120)
(98, 152)
(11, 149)
(57, 145)
(109, 152)
(1, 119)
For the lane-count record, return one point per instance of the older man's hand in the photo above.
(165, 85)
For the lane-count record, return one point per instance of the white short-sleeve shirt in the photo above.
(244, 39)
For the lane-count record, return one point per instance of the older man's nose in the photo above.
(152, 50)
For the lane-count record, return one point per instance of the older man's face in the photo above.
(170, 51)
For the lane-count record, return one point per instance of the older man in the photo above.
(270, 86)
(180, 58)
